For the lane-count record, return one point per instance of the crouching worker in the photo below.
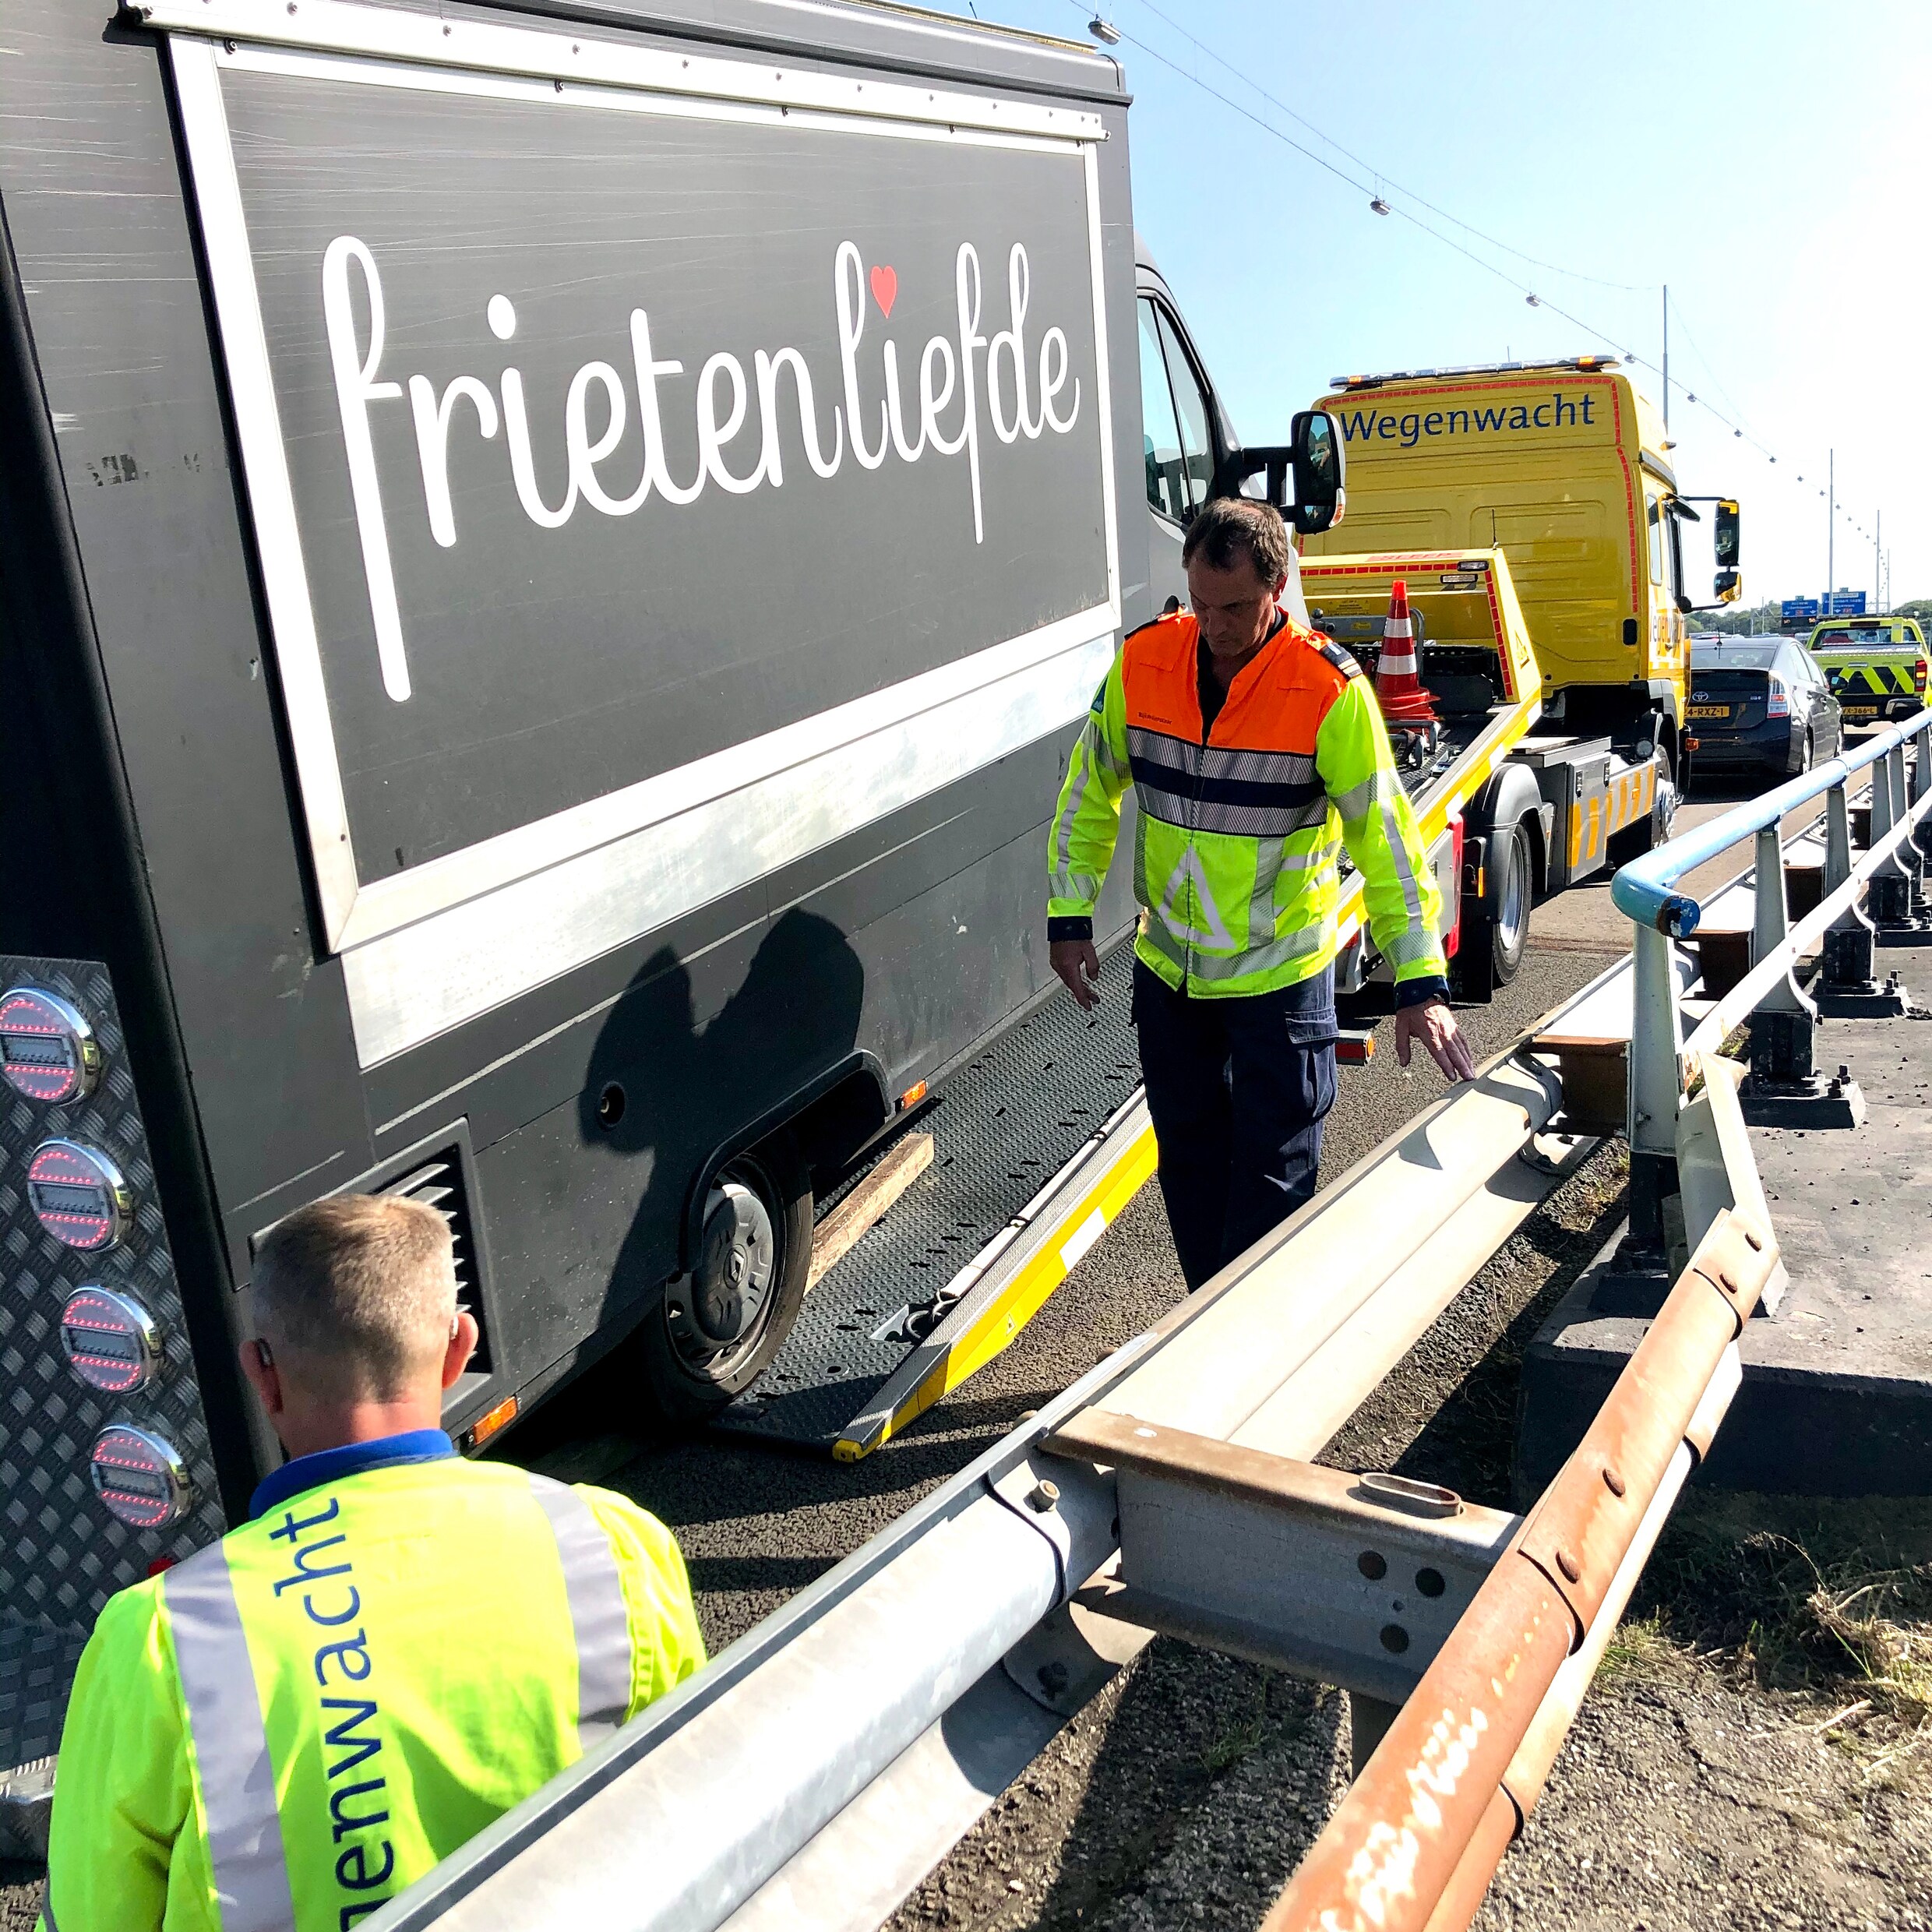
(287, 1729)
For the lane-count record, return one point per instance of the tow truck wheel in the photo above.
(718, 1327)
(1508, 893)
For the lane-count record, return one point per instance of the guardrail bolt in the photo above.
(1567, 1563)
(1042, 1496)
(1613, 1482)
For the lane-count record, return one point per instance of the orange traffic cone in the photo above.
(1398, 690)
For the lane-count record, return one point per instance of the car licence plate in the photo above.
(1710, 710)
(1859, 711)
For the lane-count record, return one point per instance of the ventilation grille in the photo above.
(437, 1182)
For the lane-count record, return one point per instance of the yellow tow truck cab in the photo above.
(1564, 466)
(1876, 666)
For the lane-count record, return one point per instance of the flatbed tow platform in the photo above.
(1039, 1140)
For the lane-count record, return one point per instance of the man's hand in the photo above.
(1435, 1026)
(1078, 964)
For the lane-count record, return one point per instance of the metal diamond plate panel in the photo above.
(61, 1555)
(1004, 1125)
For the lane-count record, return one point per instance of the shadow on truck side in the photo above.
(666, 1086)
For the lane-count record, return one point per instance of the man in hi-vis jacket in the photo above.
(1256, 752)
(282, 1731)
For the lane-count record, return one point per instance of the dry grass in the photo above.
(1828, 1600)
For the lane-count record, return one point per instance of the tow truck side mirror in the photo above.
(1724, 535)
(1726, 587)
(1302, 478)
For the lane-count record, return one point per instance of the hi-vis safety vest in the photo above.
(1234, 863)
(289, 1727)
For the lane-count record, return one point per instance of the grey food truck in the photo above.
(550, 563)
(550, 560)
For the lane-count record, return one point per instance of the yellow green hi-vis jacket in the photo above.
(288, 1728)
(1240, 827)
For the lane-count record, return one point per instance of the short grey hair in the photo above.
(1233, 527)
(356, 1295)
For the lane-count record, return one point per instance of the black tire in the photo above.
(1805, 756)
(693, 1364)
(1508, 892)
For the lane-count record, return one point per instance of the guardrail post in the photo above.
(1921, 784)
(1889, 892)
(1906, 790)
(1656, 1091)
(1781, 1024)
(1848, 944)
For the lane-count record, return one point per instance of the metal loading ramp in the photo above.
(1039, 1140)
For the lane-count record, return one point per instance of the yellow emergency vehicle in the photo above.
(1876, 666)
(1564, 467)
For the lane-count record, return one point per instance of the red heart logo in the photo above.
(885, 289)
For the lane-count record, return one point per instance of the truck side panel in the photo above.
(883, 952)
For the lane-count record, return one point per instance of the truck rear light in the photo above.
(1918, 676)
(1778, 703)
(78, 1196)
(47, 1050)
(140, 1477)
(111, 1341)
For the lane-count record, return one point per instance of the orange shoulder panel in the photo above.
(1157, 676)
(1281, 707)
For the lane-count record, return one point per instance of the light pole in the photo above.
(1830, 526)
(1878, 587)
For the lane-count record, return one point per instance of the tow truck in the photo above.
(1562, 465)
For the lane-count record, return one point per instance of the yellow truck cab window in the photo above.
(1161, 442)
(1653, 515)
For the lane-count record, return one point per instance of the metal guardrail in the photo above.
(1413, 1847)
(1648, 892)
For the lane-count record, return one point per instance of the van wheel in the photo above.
(1509, 895)
(717, 1327)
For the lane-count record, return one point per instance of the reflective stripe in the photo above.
(1078, 886)
(232, 1764)
(1268, 855)
(1221, 761)
(1076, 792)
(598, 1615)
(1421, 944)
(1378, 787)
(1237, 820)
(1398, 852)
(1297, 944)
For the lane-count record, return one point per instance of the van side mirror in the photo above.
(1727, 587)
(1302, 478)
(1317, 464)
(1724, 534)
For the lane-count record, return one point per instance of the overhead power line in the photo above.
(1301, 120)
(1377, 186)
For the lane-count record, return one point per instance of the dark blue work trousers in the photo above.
(1238, 1089)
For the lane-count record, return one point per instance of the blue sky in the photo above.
(1772, 163)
